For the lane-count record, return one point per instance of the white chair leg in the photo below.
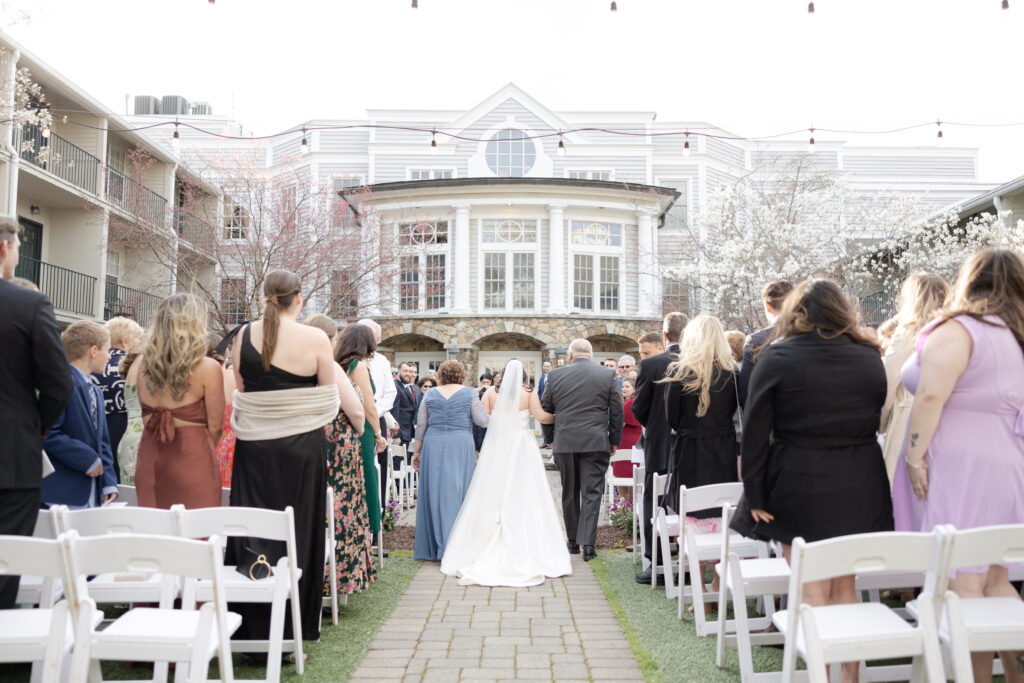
(931, 660)
(275, 637)
(723, 599)
(817, 668)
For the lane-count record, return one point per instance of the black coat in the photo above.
(649, 409)
(751, 352)
(404, 409)
(33, 358)
(810, 453)
(587, 405)
(703, 448)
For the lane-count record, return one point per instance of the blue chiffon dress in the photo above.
(447, 462)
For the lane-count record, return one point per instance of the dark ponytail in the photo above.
(280, 288)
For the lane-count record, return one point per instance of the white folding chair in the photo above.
(611, 481)
(43, 591)
(187, 636)
(670, 525)
(399, 477)
(43, 636)
(380, 490)
(697, 548)
(993, 624)
(758, 577)
(853, 633)
(331, 559)
(127, 495)
(638, 506)
(272, 525)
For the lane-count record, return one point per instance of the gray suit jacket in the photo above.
(587, 405)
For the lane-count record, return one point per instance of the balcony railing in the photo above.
(134, 197)
(130, 303)
(58, 156)
(877, 307)
(68, 290)
(194, 230)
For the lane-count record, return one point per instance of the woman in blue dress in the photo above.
(445, 457)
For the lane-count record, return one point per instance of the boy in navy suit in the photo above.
(78, 443)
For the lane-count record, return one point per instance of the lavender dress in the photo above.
(976, 457)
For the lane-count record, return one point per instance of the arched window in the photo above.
(510, 154)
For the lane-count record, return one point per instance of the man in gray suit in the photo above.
(587, 405)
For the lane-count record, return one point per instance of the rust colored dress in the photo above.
(177, 464)
(226, 449)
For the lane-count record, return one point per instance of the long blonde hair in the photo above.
(175, 343)
(703, 349)
(920, 298)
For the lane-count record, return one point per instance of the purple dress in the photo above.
(976, 457)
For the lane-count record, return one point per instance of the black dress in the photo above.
(703, 448)
(810, 453)
(273, 474)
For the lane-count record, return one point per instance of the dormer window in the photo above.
(510, 154)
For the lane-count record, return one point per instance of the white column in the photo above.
(459, 270)
(647, 264)
(369, 290)
(556, 259)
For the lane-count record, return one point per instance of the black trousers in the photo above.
(582, 476)
(19, 509)
(382, 460)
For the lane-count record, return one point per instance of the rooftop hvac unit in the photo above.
(202, 109)
(174, 105)
(146, 105)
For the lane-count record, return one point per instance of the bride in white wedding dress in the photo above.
(508, 532)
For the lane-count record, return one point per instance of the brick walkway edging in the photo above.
(562, 630)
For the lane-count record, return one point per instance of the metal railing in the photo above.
(877, 307)
(68, 290)
(194, 230)
(130, 303)
(58, 156)
(134, 197)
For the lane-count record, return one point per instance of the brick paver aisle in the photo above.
(562, 630)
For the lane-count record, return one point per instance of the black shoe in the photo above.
(589, 553)
(573, 548)
(385, 554)
(644, 577)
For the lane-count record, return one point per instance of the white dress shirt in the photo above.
(384, 384)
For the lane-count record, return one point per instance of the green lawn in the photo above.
(330, 660)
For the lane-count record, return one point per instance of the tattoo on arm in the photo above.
(913, 439)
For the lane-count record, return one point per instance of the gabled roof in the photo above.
(514, 92)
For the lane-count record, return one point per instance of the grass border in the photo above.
(644, 658)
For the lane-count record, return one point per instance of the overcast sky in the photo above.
(752, 66)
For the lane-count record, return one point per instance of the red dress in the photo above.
(631, 430)
(226, 449)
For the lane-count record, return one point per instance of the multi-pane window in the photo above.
(676, 218)
(510, 232)
(344, 294)
(236, 220)
(423, 282)
(288, 202)
(113, 266)
(589, 175)
(595, 273)
(676, 295)
(232, 300)
(494, 281)
(596, 234)
(583, 282)
(340, 183)
(434, 281)
(609, 283)
(523, 279)
(431, 173)
(510, 154)
(422, 233)
(409, 283)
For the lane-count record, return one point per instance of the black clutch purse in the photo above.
(254, 565)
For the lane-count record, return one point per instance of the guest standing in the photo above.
(128, 450)
(649, 410)
(920, 298)
(424, 384)
(631, 431)
(33, 359)
(384, 377)
(772, 297)
(812, 466)
(125, 334)
(965, 451)
(286, 394)
(444, 457)
(181, 393)
(356, 347)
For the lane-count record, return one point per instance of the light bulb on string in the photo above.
(176, 140)
(686, 146)
(939, 135)
(1006, 4)
(433, 142)
(810, 8)
(304, 145)
(615, 7)
(45, 132)
(810, 143)
(415, 4)
(561, 145)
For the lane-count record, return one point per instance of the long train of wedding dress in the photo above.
(508, 532)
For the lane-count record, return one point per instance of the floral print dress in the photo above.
(353, 545)
(226, 449)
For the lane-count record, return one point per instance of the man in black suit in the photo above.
(33, 359)
(587, 405)
(649, 410)
(407, 399)
(773, 295)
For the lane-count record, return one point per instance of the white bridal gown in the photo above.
(508, 532)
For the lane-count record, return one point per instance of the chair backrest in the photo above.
(118, 520)
(1002, 544)
(397, 450)
(639, 474)
(127, 495)
(46, 524)
(28, 555)
(622, 454)
(273, 525)
(659, 484)
(713, 496)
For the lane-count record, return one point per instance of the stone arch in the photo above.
(614, 342)
(503, 341)
(410, 342)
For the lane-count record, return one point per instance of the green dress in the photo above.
(369, 447)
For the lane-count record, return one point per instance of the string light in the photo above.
(45, 132)
(1006, 4)
(686, 146)
(176, 140)
(65, 119)
(303, 146)
(939, 124)
(810, 8)
(561, 145)
(433, 142)
(176, 137)
(415, 4)
(615, 8)
(810, 143)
